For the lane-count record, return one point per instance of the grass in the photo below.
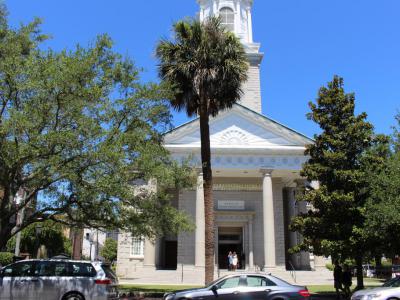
(156, 288)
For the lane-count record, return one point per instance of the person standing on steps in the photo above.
(234, 261)
(230, 261)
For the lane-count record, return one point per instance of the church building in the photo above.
(256, 163)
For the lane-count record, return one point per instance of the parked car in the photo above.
(389, 290)
(249, 286)
(394, 282)
(52, 279)
(395, 271)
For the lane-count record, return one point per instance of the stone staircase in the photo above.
(195, 276)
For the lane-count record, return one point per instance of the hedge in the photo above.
(6, 258)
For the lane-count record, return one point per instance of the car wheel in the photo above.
(393, 298)
(73, 296)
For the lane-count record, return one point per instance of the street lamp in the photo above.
(38, 231)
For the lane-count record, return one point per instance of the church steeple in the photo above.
(236, 16)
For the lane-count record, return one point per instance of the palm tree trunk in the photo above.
(208, 199)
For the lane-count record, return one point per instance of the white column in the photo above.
(237, 19)
(200, 224)
(251, 257)
(249, 26)
(149, 253)
(269, 220)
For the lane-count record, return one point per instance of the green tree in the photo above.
(206, 65)
(49, 234)
(382, 212)
(109, 250)
(77, 128)
(338, 160)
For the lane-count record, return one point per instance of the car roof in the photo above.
(61, 260)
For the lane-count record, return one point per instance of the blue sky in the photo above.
(305, 43)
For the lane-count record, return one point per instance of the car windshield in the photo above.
(215, 281)
(394, 282)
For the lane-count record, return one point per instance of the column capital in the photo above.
(266, 171)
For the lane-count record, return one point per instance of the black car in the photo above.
(244, 286)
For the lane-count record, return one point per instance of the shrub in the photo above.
(329, 267)
(6, 258)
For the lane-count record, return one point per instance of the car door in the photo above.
(47, 285)
(17, 281)
(230, 288)
(258, 287)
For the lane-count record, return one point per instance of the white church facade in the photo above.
(256, 164)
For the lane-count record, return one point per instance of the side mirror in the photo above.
(214, 288)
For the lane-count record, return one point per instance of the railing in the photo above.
(292, 272)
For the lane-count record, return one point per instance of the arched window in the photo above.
(228, 18)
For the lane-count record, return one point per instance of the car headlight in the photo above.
(371, 296)
(169, 296)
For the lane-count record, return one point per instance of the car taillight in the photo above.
(103, 281)
(304, 293)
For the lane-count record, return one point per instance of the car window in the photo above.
(45, 268)
(82, 269)
(231, 282)
(61, 268)
(20, 269)
(109, 272)
(254, 281)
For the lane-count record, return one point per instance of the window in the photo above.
(82, 269)
(46, 268)
(255, 281)
(22, 269)
(227, 18)
(228, 283)
(137, 248)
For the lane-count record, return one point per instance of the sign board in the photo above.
(230, 205)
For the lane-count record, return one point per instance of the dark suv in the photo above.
(57, 280)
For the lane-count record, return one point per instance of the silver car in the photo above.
(389, 290)
(244, 286)
(57, 280)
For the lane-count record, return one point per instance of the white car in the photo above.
(381, 293)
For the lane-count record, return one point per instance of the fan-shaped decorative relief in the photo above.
(234, 137)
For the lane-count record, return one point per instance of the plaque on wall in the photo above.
(230, 205)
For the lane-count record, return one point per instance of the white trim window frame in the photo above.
(227, 15)
(137, 247)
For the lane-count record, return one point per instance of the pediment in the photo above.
(237, 128)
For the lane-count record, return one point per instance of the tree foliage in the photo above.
(382, 212)
(206, 66)
(6, 258)
(338, 160)
(48, 234)
(109, 250)
(77, 128)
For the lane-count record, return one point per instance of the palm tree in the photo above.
(206, 66)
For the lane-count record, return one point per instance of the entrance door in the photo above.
(171, 253)
(230, 239)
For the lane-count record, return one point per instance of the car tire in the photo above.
(73, 296)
